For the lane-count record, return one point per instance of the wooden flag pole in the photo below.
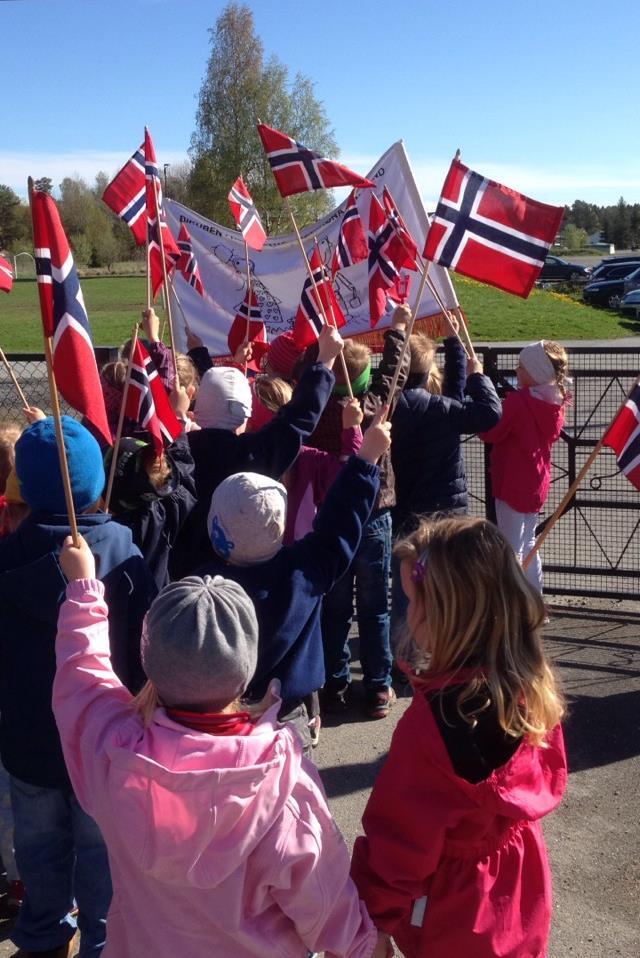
(405, 345)
(180, 307)
(335, 325)
(57, 419)
(15, 382)
(149, 296)
(247, 328)
(165, 279)
(568, 496)
(123, 405)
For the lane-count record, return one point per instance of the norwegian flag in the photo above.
(309, 320)
(351, 247)
(491, 233)
(383, 271)
(6, 275)
(249, 313)
(405, 247)
(64, 316)
(246, 215)
(154, 216)
(299, 170)
(188, 264)
(148, 403)
(623, 436)
(126, 195)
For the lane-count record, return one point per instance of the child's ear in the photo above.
(190, 391)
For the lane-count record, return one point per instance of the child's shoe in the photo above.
(314, 730)
(377, 702)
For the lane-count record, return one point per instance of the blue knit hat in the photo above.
(38, 466)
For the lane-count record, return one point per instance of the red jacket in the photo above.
(449, 868)
(522, 441)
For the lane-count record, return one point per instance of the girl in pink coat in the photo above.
(219, 837)
(532, 419)
(453, 862)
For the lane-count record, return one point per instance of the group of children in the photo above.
(159, 679)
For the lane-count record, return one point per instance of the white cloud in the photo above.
(16, 167)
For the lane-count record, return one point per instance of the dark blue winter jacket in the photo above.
(287, 590)
(426, 428)
(32, 588)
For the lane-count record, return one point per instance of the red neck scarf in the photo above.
(213, 723)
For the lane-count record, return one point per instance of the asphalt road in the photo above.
(593, 839)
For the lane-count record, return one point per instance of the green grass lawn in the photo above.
(114, 303)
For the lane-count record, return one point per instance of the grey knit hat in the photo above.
(200, 643)
(247, 518)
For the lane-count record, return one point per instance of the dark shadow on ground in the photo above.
(345, 779)
(601, 731)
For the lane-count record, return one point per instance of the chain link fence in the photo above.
(594, 550)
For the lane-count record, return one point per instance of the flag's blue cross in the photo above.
(300, 155)
(464, 221)
(377, 256)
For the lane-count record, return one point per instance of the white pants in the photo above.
(519, 529)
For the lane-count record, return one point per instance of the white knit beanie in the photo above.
(247, 518)
(535, 360)
(223, 400)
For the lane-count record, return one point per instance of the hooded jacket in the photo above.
(532, 420)
(31, 590)
(218, 845)
(464, 871)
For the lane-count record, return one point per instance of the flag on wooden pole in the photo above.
(623, 436)
(147, 401)
(6, 275)
(246, 215)
(126, 195)
(351, 247)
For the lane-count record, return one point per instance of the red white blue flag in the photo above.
(299, 170)
(491, 233)
(351, 247)
(126, 195)
(309, 319)
(248, 327)
(623, 436)
(383, 271)
(155, 216)
(64, 316)
(188, 264)
(246, 215)
(148, 403)
(405, 247)
(6, 275)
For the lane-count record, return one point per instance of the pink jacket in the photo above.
(308, 481)
(218, 845)
(452, 869)
(531, 422)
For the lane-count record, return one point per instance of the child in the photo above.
(532, 420)
(431, 415)
(221, 447)
(454, 862)
(59, 850)
(247, 521)
(219, 836)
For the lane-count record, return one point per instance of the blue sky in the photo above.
(542, 96)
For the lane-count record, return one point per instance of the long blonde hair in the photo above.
(423, 360)
(560, 361)
(481, 614)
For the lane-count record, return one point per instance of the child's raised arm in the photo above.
(88, 697)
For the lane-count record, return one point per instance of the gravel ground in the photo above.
(593, 838)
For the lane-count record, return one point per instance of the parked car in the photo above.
(632, 281)
(607, 292)
(556, 270)
(605, 269)
(630, 303)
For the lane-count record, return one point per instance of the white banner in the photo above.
(278, 272)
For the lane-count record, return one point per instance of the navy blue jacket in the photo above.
(155, 522)
(32, 588)
(425, 431)
(287, 590)
(219, 453)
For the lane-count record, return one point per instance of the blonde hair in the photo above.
(560, 361)
(156, 467)
(115, 374)
(357, 356)
(273, 392)
(423, 352)
(187, 372)
(147, 701)
(480, 613)
(9, 435)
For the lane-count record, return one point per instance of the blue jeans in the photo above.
(60, 855)
(370, 571)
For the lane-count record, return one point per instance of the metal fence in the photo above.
(594, 549)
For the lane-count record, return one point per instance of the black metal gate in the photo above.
(594, 549)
